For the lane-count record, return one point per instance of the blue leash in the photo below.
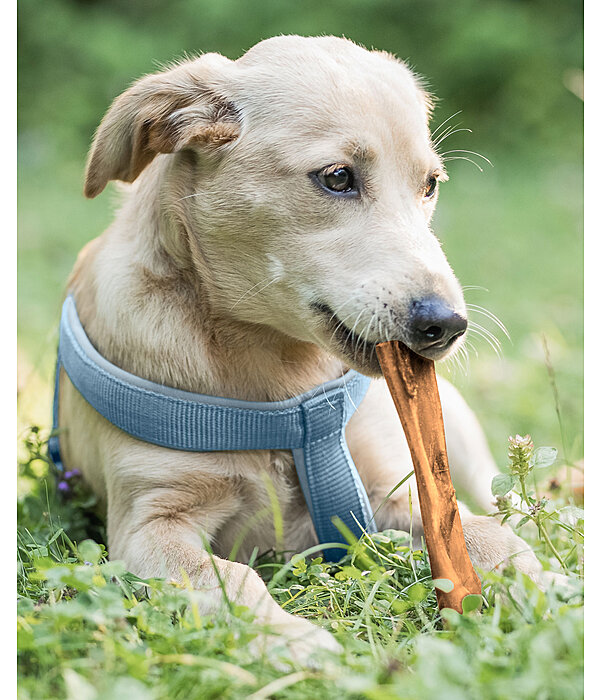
(311, 425)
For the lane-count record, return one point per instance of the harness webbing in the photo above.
(310, 425)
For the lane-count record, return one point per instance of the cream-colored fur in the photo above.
(205, 282)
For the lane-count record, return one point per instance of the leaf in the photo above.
(451, 616)
(543, 457)
(522, 522)
(503, 483)
(418, 592)
(471, 602)
(570, 515)
(89, 551)
(444, 584)
(55, 536)
(401, 606)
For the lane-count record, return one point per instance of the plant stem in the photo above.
(546, 537)
(541, 529)
(524, 491)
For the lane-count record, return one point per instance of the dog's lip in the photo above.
(437, 349)
(349, 340)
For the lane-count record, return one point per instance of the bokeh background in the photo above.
(512, 68)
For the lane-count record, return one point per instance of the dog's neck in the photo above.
(147, 308)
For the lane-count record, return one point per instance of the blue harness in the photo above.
(310, 425)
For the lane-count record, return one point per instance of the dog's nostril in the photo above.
(433, 322)
(433, 333)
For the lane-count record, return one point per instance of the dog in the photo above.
(275, 228)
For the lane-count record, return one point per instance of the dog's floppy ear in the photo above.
(161, 113)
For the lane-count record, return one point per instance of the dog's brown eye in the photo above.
(336, 178)
(430, 187)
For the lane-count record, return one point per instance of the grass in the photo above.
(90, 630)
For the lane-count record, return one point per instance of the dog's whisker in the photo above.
(487, 336)
(327, 398)
(434, 132)
(473, 153)
(379, 333)
(441, 135)
(366, 338)
(465, 158)
(487, 333)
(469, 346)
(451, 133)
(245, 295)
(363, 340)
(470, 287)
(189, 196)
(464, 353)
(352, 330)
(339, 325)
(390, 325)
(473, 334)
(446, 131)
(248, 291)
(357, 346)
(486, 312)
(458, 360)
(337, 311)
(356, 409)
(455, 364)
(356, 321)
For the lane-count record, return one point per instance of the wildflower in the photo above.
(520, 450)
(72, 473)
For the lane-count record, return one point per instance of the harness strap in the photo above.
(311, 425)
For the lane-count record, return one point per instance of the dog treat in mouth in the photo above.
(413, 385)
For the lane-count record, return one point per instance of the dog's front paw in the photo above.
(494, 546)
(551, 579)
(296, 639)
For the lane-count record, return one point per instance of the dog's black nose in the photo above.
(433, 322)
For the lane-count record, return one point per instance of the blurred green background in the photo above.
(513, 68)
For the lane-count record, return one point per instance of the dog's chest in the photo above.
(273, 514)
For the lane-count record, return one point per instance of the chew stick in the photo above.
(412, 382)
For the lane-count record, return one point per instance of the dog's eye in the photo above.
(336, 178)
(430, 187)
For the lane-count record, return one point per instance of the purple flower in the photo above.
(63, 486)
(72, 473)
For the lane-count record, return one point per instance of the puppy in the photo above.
(276, 229)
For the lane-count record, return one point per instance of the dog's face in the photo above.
(306, 179)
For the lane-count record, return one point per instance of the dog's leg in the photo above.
(160, 515)
(156, 538)
(471, 463)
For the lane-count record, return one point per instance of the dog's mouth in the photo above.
(352, 346)
(360, 352)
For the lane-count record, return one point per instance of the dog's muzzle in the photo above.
(430, 328)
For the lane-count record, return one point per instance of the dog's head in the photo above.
(304, 178)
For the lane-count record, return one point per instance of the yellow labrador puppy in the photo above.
(275, 231)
